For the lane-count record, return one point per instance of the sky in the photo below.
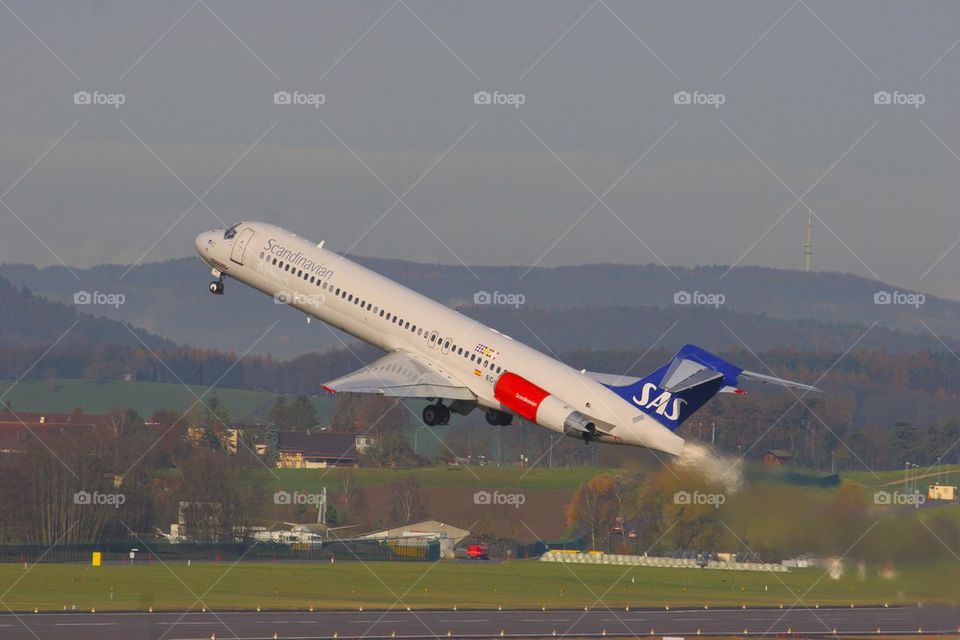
(678, 133)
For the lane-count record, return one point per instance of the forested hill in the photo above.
(28, 321)
(875, 378)
(603, 306)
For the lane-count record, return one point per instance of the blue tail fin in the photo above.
(672, 393)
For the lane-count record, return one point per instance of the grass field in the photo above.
(518, 584)
(62, 395)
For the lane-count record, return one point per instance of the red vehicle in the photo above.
(478, 552)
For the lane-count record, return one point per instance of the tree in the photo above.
(280, 413)
(213, 422)
(126, 422)
(408, 502)
(302, 415)
(594, 508)
(368, 414)
(224, 494)
(272, 441)
(352, 500)
(906, 442)
(465, 441)
(390, 449)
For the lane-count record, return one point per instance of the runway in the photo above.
(303, 625)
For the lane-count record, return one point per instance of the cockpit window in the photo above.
(232, 231)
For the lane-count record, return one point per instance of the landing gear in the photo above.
(216, 287)
(498, 418)
(436, 414)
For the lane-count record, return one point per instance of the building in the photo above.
(306, 450)
(16, 427)
(426, 531)
(229, 437)
(937, 491)
(777, 457)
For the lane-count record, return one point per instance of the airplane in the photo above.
(299, 533)
(458, 364)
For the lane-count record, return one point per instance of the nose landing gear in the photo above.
(216, 287)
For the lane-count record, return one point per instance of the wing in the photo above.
(403, 375)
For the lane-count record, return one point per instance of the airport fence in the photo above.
(138, 551)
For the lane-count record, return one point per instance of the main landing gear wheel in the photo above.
(436, 414)
(216, 287)
(498, 418)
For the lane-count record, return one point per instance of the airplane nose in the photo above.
(203, 243)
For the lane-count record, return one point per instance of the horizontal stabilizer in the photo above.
(753, 376)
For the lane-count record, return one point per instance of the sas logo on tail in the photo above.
(663, 404)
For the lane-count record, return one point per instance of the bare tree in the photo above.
(408, 501)
(352, 501)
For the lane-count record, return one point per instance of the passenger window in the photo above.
(381, 313)
(274, 261)
(473, 357)
(312, 279)
(350, 298)
(337, 292)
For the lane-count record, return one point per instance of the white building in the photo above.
(426, 531)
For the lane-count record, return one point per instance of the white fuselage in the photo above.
(384, 313)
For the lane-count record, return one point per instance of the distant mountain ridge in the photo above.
(604, 306)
